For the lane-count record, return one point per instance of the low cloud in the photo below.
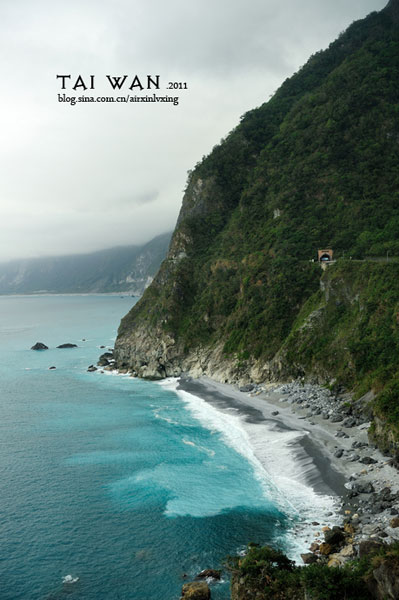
(89, 176)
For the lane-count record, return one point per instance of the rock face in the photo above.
(39, 346)
(384, 581)
(196, 590)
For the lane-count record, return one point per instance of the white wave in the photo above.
(279, 465)
(170, 383)
(207, 451)
(113, 373)
(188, 443)
(157, 415)
(69, 579)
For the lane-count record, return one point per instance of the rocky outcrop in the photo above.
(39, 346)
(106, 359)
(156, 355)
(196, 590)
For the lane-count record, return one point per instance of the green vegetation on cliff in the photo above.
(316, 166)
(350, 327)
(267, 574)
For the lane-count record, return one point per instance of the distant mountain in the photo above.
(124, 268)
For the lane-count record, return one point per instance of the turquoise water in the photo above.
(106, 478)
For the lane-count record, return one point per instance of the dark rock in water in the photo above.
(92, 368)
(209, 574)
(247, 388)
(275, 413)
(51, 368)
(367, 460)
(196, 590)
(350, 422)
(338, 453)
(102, 347)
(105, 359)
(67, 346)
(309, 558)
(39, 346)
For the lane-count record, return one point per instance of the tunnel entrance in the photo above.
(325, 255)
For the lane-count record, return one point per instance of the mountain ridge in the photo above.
(122, 268)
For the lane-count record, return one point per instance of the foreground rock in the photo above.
(196, 590)
(39, 346)
(67, 346)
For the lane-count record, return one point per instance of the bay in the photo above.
(109, 481)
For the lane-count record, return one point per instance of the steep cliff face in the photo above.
(316, 166)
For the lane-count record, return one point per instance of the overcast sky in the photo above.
(95, 175)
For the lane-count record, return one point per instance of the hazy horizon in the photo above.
(81, 178)
(77, 253)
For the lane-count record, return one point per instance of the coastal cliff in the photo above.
(240, 296)
(123, 268)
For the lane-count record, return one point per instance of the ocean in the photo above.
(113, 487)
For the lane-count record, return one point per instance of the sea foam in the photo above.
(279, 463)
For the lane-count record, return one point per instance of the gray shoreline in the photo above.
(332, 455)
(324, 478)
